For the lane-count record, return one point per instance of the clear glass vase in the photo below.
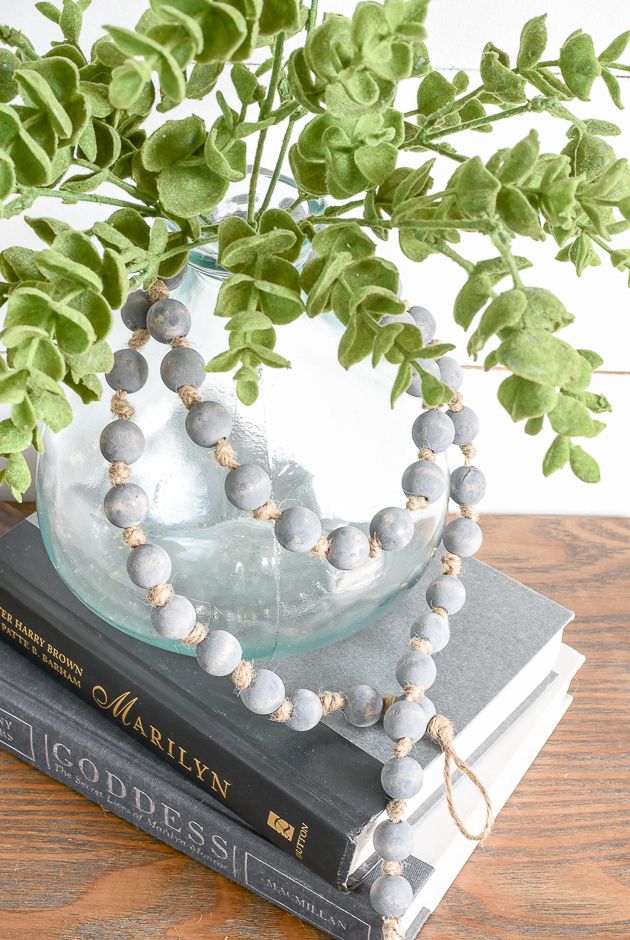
(329, 440)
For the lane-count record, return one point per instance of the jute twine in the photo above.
(396, 810)
(392, 929)
(331, 702)
(267, 511)
(469, 451)
(196, 636)
(119, 472)
(391, 868)
(413, 693)
(284, 712)
(451, 564)
(421, 645)
(375, 547)
(416, 502)
(159, 595)
(189, 395)
(425, 453)
(388, 701)
(138, 339)
(402, 747)
(457, 402)
(133, 537)
(158, 291)
(441, 730)
(243, 675)
(225, 455)
(467, 512)
(121, 407)
(321, 547)
(179, 342)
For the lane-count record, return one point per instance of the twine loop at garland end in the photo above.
(442, 732)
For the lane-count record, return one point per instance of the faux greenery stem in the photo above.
(502, 243)
(430, 225)
(446, 250)
(436, 148)
(129, 188)
(67, 196)
(481, 121)
(265, 110)
(280, 161)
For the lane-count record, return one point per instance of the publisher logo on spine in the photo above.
(281, 826)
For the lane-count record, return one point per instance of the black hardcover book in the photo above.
(315, 795)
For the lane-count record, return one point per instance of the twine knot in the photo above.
(267, 511)
(442, 732)
(375, 547)
(416, 502)
(180, 341)
(413, 693)
(391, 868)
(331, 702)
(440, 611)
(159, 595)
(388, 701)
(189, 395)
(225, 455)
(119, 472)
(243, 675)
(402, 747)
(392, 929)
(421, 645)
(457, 402)
(468, 512)
(284, 712)
(425, 453)
(121, 408)
(396, 810)
(157, 291)
(451, 564)
(196, 636)
(469, 451)
(321, 547)
(133, 537)
(138, 339)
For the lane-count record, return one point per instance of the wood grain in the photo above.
(557, 865)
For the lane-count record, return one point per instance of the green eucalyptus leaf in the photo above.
(544, 310)
(191, 190)
(434, 93)
(23, 415)
(8, 85)
(472, 297)
(13, 387)
(475, 188)
(583, 465)
(579, 64)
(53, 410)
(17, 476)
(225, 361)
(42, 354)
(540, 357)
(533, 42)
(614, 88)
(7, 176)
(596, 403)
(70, 21)
(614, 51)
(506, 310)
(571, 418)
(524, 399)
(172, 142)
(557, 456)
(402, 382)
(518, 213)
(53, 264)
(499, 80)
(13, 439)
(98, 358)
(534, 426)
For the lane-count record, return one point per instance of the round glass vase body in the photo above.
(329, 441)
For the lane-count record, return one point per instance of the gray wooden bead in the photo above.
(468, 485)
(433, 429)
(248, 487)
(364, 706)
(425, 321)
(182, 366)
(208, 422)
(175, 619)
(466, 425)
(220, 653)
(173, 282)
(401, 777)
(391, 895)
(129, 372)
(404, 719)
(427, 365)
(135, 309)
(424, 478)
(307, 710)
(393, 527)
(167, 320)
(451, 372)
(462, 537)
(416, 668)
(434, 628)
(298, 529)
(349, 548)
(126, 505)
(121, 440)
(149, 565)
(393, 841)
(447, 592)
(428, 708)
(265, 694)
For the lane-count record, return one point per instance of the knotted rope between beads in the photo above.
(441, 730)
(158, 291)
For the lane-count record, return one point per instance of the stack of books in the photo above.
(290, 816)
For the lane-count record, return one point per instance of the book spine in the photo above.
(235, 775)
(134, 791)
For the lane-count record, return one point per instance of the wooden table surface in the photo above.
(556, 866)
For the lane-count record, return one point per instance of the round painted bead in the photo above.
(364, 706)
(167, 320)
(149, 565)
(129, 372)
(393, 527)
(173, 282)
(393, 841)
(468, 485)
(433, 429)
(135, 309)
(298, 529)
(416, 668)
(451, 372)
(404, 719)
(401, 777)
(175, 619)
(428, 708)
(121, 440)
(126, 505)
(182, 366)
(425, 321)
(390, 318)
(424, 478)
(462, 537)
(307, 710)
(219, 654)
(208, 422)
(466, 425)
(446, 592)
(265, 694)
(434, 628)
(427, 365)
(391, 895)
(349, 548)
(247, 487)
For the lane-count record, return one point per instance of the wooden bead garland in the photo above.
(407, 716)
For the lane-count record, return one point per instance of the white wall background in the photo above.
(600, 299)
